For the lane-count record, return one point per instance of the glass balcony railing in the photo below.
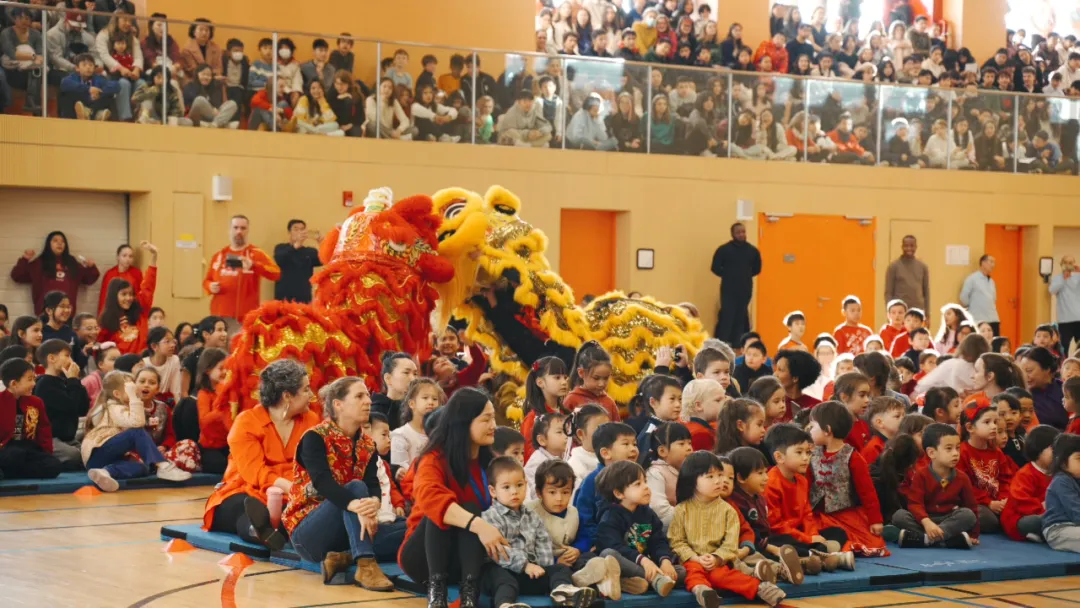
(121, 67)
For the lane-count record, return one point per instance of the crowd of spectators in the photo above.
(692, 89)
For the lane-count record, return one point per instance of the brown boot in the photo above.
(634, 585)
(829, 561)
(766, 571)
(370, 577)
(333, 564)
(811, 565)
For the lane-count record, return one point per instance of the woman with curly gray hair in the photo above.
(262, 450)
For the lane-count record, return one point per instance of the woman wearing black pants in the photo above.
(446, 541)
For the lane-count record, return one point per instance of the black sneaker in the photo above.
(259, 516)
(911, 540)
(960, 541)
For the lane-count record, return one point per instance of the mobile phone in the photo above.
(233, 261)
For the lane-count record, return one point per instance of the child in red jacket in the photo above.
(884, 416)
(702, 400)
(940, 499)
(25, 432)
(1021, 519)
(989, 469)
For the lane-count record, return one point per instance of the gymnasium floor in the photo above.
(63, 550)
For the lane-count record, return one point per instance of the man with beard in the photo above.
(736, 263)
(233, 277)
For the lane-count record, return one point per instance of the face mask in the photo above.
(238, 57)
(650, 22)
(284, 53)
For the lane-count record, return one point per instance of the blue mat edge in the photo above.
(41, 487)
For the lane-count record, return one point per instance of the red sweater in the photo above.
(789, 506)
(873, 448)
(34, 425)
(579, 397)
(1074, 425)
(132, 338)
(132, 275)
(238, 292)
(859, 435)
(927, 495)
(990, 472)
(889, 333)
(900, 345)
(1027, 493)
(527, 429)
(702, 435)
(66, 280)
(850, 338)
(863, 485)
(434, 490)
(214, 423)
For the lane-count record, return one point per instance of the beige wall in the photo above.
(681, 207)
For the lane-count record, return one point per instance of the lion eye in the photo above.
(505, 209)
(453, 210)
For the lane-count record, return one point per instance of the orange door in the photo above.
(587, 251)
(1006, 244)
(810, 263)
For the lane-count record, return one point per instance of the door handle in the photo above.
(823, 299)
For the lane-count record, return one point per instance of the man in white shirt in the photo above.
(1070, 72)
(979, 294)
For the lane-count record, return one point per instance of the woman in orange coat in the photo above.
(126, 315)
(262, 448)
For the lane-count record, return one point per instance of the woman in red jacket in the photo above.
(127, 314)
(54, 270)
(445, 537)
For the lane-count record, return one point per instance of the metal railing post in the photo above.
(274, 100)
(475, 67)
(167, 84)
(564, 88)
(1016, 134)
(378, 90)
(44, 64)
(880, 122)
(648, 112)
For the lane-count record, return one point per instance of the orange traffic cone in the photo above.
(177, 545)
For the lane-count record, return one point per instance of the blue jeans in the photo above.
(123, 98)
(110, 456)
(329, 528)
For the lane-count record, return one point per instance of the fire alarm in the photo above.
(346, 198)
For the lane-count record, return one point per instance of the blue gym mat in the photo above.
(69, 482)
(996, 558)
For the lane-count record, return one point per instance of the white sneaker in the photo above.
(444, 139)
(611, 585)
(206, 124)
(103, 480)
(234, 124)
(455, 139)
(170, 472)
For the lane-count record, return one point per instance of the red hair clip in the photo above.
(536, 366)
(975, 406)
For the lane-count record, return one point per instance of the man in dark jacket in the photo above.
(297, 264)
(84, 94)
(736, 263)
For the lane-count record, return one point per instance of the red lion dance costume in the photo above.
(373, 295)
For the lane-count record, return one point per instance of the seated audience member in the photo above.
(523, 125)
(125, 269)
(116, 426)
(160, 53)
(429, 63)
(26, 441)
(484, 123)
(57, 318)
(899, 152)
(148, 99)
(201, 50)
(207, 102)
(266, 107)
(212, 332)
(587, 130)
(1062, 518)
(84, 94)
(65, 41)
(485, 83)
(313, 115)
(290, 81)
(126, 316)
(334, 502)
(552, 107)
(1022, 518)
(342, 57)
(236, 72)
(162, 426)
(105, 361)
(65, 400)
(347, 103)
(391, 122)
(433, 120)
(118, 48)
(625, 125)
(259, 458)
(215, 418)
(262, 69)
(450, 83)
(848, 149)
(319, 67)
(22, 58)
(86, 339)
(162, 346)
(399, 70)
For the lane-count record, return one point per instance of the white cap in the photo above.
(379, 199)
(787, 317)
(849, 298)
(894, 303)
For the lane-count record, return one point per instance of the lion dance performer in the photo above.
(521, 310)
(374, 294)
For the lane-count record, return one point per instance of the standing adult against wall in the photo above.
(297, 264)
(908, 278)
(736, 263)
(1066, 286)
(233, 277)
(979, 294)
(54, 270)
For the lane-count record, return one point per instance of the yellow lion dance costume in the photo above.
(498, 256)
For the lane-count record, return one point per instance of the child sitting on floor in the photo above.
(1071, 401)
(105, 360)
(989, 469)
(528, 565)
(589, 379)
(549, 437)
(791, 520)
(613, 442)
(162, 345)
(884, 416)
(583, 424)
(1008, 409)
(116, 425)
(943, 404)
(26, 443)
(705, 535)
(65, 400)
(509, 442)
(668, 447)
(1022, 517)
(630, 532)
(842, 492)
(741, 424)
(1061, 522)
(702, 401)
(658, 401)
(184, 454)
(545, 388)
(408, 440)
(853, 392)
(392, 513)
(554, 481)
(940, 499)
(772, 396)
